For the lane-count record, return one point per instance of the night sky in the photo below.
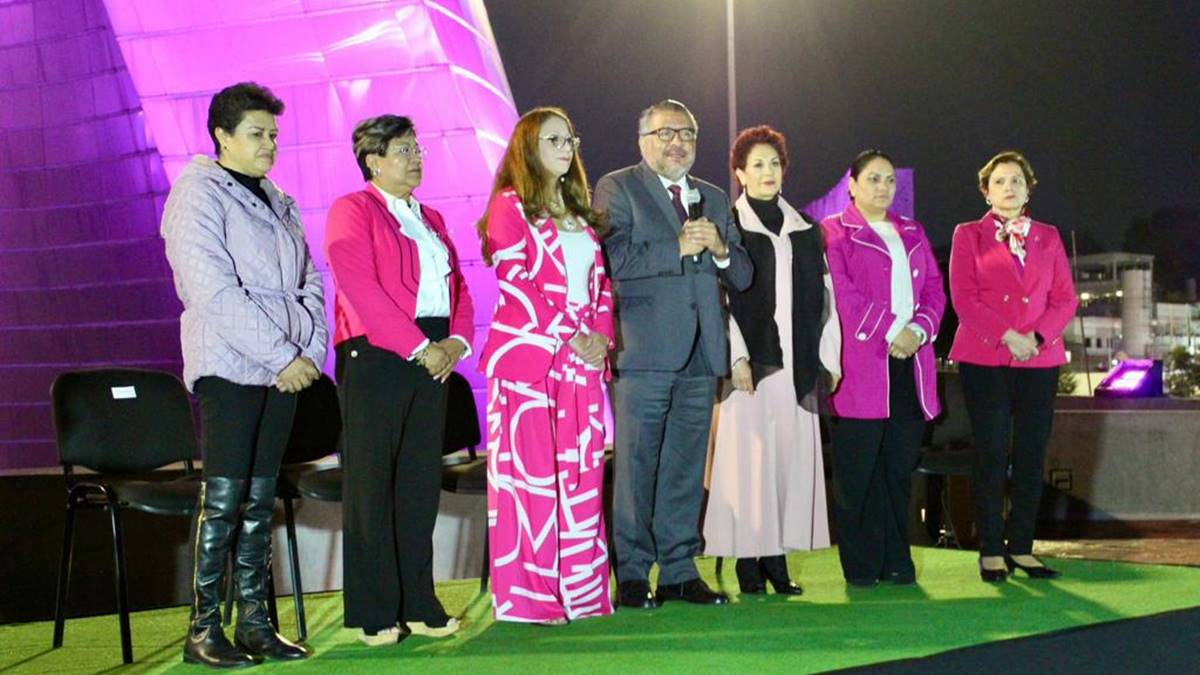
(1102, 97)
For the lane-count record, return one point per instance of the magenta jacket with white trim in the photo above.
(862, 287)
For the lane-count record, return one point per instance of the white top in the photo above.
(902, 290)
(433, 291)
(579, 253)
(684, 187)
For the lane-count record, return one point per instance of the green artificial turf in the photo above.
(830, 626)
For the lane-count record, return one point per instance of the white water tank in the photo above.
(1137, 307)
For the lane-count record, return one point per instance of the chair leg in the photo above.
(64, 575)
(122, 587)
(271, 606)
(289, 515)
(483, 574)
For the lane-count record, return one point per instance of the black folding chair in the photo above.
(464, 476)
(120, 423)
(948, 451)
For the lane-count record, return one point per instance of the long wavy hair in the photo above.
(522, 170)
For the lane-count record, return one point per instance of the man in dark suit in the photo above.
(666, 266)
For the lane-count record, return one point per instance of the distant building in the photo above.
(1119, 315)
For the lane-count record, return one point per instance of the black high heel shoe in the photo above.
(992, 576)
(1034, 571)
(774, 568)
(749, 576)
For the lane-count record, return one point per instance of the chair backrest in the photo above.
(118, 420)
(317, 426)
(951, 429)
(462, 417)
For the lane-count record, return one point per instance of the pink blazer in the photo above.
(862, 287)
(378, 273)
(532, 320)
(992, 294)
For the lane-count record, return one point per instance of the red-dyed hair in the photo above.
(759, 135)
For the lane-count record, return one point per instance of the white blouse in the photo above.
(579, 253)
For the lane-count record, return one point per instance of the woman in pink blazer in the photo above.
(546, 359)
(403, 321)
(1012, 289)
(889, 298)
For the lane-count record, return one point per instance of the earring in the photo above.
(989, 202)
(374, 172)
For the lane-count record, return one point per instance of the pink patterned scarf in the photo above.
(1014, 232)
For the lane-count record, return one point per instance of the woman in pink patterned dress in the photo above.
(546, 360)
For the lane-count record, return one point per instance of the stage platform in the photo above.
(831, 626)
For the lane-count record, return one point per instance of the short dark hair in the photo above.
(759, 135)
(1007, 157)
(372, 136)
(864, 158)
(231, 104)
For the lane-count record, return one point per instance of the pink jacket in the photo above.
(532, 320)
(378, 275)
(992, 294)
(862, 286)
(252, 300)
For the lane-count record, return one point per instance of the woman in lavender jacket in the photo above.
(254, 333)
(889, 297)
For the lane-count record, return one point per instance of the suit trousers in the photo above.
(394, 422)
(244, 428)
(1012, 412)
(662, 422)
(873, 462)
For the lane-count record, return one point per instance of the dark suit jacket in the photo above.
(662, 299)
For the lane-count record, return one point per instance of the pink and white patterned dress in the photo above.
(545, 427)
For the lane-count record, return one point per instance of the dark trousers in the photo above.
(873, 462)
(244, 428)
(394, 421)
(662, 422)
(1012, 411)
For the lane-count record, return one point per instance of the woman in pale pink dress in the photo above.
(546, 362)
(767, 480)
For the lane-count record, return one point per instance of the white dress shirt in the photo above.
(683, 192)
(902, 290)
(433, 289)
(579, 253)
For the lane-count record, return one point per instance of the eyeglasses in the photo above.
(409, 151)
(667, 134)
(563, 142)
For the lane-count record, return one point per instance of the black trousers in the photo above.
(1012, 412)
(873, 462)
(394, 417)
(244, 428)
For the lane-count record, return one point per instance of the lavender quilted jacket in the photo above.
(252, 299)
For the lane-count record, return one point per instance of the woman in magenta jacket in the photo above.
(1013, 293)
(889, 297)
(404, 320)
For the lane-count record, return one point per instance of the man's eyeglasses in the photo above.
(563, 142)
(667, 134)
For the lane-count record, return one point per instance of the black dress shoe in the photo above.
(694, 591)
(863, 583)
(636, 594)
(900, 578)
(749, 576)
(991, 576)
(1034, 571)
(775, 569)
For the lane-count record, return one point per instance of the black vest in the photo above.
(754, 308)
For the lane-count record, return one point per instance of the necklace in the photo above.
(569, 223)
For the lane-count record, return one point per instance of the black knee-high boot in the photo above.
(216, 519)
(774, 567)
(254, 633)
(749, 576)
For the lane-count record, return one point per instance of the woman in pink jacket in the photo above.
(1014, 296)
(889, 297)
(403, 322)
(546, 360)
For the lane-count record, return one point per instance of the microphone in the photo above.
(694, 202)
